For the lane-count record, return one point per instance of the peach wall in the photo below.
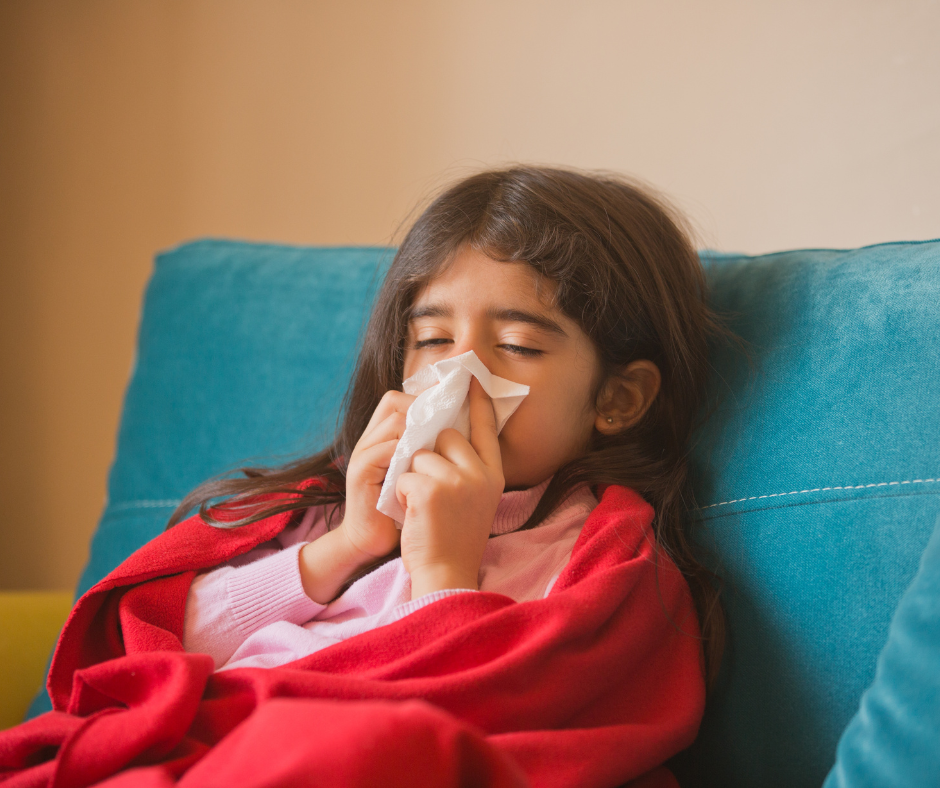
(128, 127)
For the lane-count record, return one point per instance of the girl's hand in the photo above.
(365, 533)
(450, 499)
(366, 527)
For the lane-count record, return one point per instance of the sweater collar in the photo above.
(516, 507)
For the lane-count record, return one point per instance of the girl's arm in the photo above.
(291, 578)
(327, 563)
(227, 605)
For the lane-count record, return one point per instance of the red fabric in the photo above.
(596, 685)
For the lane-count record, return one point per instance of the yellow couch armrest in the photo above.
(30, 622)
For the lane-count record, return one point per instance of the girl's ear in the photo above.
(626, 396)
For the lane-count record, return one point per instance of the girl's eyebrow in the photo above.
(541, 322)
(432, 310)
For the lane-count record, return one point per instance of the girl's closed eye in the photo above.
(433, 342)
(519, 350)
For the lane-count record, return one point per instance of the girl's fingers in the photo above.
(392, 427)
(406, 485)
(435, 463)
(375, 461)
(391, 402)
(454, 448)
(483, 435)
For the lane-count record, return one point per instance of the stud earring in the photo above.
(610, 419)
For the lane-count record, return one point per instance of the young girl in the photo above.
(533, 620)
(581, 287)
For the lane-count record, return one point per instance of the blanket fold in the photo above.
(597, 684)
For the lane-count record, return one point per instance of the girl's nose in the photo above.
(480, 348)
(460, 348)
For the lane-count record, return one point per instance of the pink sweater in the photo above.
(253, 612)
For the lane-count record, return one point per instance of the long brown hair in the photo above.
(625, 271)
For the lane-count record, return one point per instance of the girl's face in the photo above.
(502, 312)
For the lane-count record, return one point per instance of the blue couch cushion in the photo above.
(892, 740)
(816, 478)
(244, 353)
(818, 481)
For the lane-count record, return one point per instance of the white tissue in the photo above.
(443, 402)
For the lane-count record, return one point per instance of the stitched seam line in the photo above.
(817, 489)
(156, 504)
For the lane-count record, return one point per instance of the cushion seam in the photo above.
(817, 489)
(696, 512)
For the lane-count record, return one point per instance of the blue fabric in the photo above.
(816, 478)
(818, 481)
(892, 742)
(244, 353)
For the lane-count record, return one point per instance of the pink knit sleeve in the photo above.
(228, 604)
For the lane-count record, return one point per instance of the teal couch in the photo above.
(817, 475)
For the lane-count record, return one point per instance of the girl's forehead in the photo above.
(471, 273)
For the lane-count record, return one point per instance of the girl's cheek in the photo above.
(519, 428)
(415, 360)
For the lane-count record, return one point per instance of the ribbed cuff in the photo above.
(416, 604)
(270, 590)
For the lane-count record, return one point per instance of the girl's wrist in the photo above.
(327, 563)
(352, 549)
(441, 577)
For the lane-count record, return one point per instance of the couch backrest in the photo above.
(818, 482)
(816, 477)
(243, 356)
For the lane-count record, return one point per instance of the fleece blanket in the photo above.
(598, 684)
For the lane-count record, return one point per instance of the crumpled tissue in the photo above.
(443, 402)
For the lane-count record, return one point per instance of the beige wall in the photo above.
(126, 127)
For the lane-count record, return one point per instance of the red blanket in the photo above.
(596, 685)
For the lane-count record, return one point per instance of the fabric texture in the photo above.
(271, 333)
(892, 741)
(253, 612)
(595, 685)
(817, 479)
